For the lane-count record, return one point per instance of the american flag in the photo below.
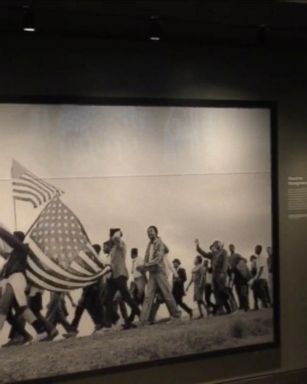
(62, 257)
(30, 188)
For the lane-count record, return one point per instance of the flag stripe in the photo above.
(55, 274)
(41, 259)
(38, 283)
(42, 283)
(83, 264)
(78, 269)
(46, 284)
(93, 256)
(31, 187)
(61, 255)
(45, 190)
(53, 280)
(23, 192)
(52, 274)
(43, 183)
(27, 199)
(38, 185)
(89, 262)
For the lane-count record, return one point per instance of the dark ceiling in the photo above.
(211, 21)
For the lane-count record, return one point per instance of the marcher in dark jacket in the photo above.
(178, 287)
(14, 275)
(219, 262)
(118, 281)
(91, 301)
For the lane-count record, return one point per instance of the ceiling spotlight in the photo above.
(29, 29)
(28, 20)
(155, 30)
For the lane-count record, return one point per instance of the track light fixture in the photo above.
(28, 19)
(155, 30)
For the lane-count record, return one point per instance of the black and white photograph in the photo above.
(134, 234)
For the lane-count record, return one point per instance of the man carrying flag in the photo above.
(13, 276)
(58, 256)
(63, 257)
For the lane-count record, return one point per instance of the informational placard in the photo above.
(297, 197)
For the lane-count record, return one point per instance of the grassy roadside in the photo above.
(148, 343)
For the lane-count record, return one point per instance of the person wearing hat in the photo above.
(219, 263)
(119, 279)
(178, 290)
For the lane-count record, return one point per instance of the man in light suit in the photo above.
(154, 264)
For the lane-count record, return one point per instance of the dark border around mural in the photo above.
(174, 102)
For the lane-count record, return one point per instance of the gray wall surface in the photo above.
(63, 67)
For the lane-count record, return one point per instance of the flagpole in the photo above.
(13, 197)
(15, 213)
(29, 188)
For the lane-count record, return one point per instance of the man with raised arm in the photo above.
(219, 263)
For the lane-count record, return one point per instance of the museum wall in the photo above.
(57, 66)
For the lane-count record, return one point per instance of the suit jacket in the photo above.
(118, 259)
(219, 260)
(178, 282)
(17, 261)
(156, 264)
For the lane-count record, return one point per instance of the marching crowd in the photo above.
(221, 280)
